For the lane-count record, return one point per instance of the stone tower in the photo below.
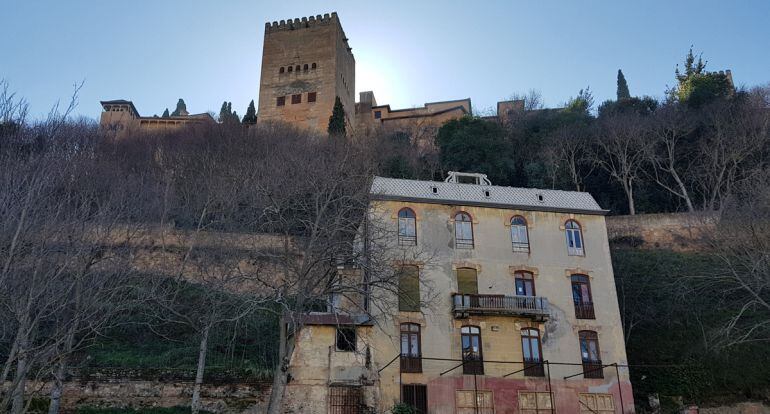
(306, 63)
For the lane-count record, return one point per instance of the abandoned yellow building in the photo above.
(307, 63)
(514, 311)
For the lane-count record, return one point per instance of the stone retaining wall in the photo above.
(673, 231)
(233, 398)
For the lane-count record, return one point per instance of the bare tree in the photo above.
(568, 150)
(533, 99)
(672, 164)
(730, 150)
(741, 280)
(620, 148)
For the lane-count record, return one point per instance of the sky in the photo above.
(154, 52)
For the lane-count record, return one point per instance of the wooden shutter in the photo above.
(467, 281)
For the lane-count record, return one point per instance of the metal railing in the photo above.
(593, 369)
(584, 310)
(533, 368)
(464, 304)
(411, 363)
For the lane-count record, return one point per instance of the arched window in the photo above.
(590, 354)
(281, 70)
(297, 68)
(313, 66)
(304, 68)
(581, 296)
(407, 227)
(470, 337)
(574, 238)
(290, 68)
(463, 231)
(525, 284)
(409, 289)
(532, 352)
(519, 234)
(410, 348)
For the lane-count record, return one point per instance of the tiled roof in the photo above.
(439, 192)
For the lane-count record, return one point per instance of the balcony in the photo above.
(584, 310)
(410, 363)
(464, 305)
(533, 368)
(593, 369)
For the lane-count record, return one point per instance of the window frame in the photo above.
(411, 361)
(280, 101)
(281, 70)
(530, 336)
(519, 246)
(476, 365)
(524, 276)
(475, 290)
(312, 97)
(296, 98)
(347, 344)
(462, 218)
(405, 239)
(419, 404)
(377, 114)
(592, 368)
(349, 401)
(583, 309)
(572, 229)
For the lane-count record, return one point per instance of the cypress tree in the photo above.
(623, 92)
(165, 114)
(224, 114)
(251, 114)
(337, 120)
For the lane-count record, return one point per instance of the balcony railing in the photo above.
(473, 364)
(473, 304)
(584, 310)
(411, 363)
(533, 368)
(593, 369)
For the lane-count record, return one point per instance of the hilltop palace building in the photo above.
(515, 311)
(306, 64)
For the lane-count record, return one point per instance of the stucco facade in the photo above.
(504, 386)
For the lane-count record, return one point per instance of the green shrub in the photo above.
(402, 408)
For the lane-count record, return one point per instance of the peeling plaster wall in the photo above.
(495, 261)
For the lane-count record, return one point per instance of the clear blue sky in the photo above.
(409, 52)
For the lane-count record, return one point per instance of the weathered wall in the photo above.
(246, 398)
(674, 231)
(495, 262)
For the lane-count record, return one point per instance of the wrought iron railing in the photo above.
(411, 363)
(464, 304)
(584, 310)
(593, 369)
(533, 368)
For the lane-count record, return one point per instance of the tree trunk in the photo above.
(628, 186)
(58, 385)
(195, 406)
(280, 377)
(20, 379)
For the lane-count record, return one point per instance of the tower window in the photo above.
(313, 66)
(281, 70)
(377, 114)
(297, 68)
(311, 96)
(281, 101)
(295, 99)
(290, 69)
(305, 67)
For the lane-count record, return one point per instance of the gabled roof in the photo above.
(476, 195)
